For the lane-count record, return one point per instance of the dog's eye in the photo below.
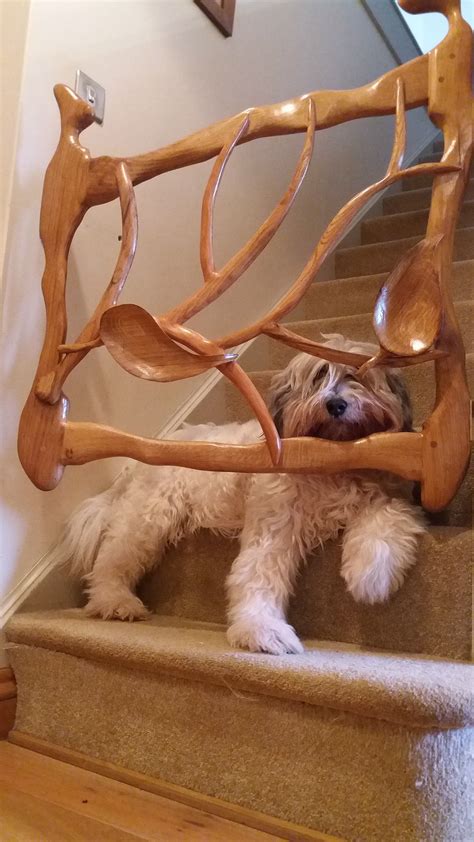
(321, 373)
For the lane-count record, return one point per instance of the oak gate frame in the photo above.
(414, 317)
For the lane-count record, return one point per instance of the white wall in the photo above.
(168, 72)
(430, 29)
(13, 29)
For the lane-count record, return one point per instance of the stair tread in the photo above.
(414, 690)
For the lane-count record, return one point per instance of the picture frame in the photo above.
(220, 12)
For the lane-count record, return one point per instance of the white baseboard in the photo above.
(14, 599)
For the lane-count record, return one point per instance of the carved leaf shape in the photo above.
(138, 343)
(407, 315)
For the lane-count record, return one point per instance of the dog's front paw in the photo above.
(124, 606)
(373, 580)
(272, 636)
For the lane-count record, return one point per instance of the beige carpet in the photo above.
(365, 736)
(361, 778)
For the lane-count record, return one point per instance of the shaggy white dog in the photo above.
(114, 538)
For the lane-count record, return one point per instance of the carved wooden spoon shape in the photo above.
(407, 315)
(138, 343)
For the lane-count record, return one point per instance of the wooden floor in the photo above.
(44, 800)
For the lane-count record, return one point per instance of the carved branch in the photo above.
(338, 228)
(316, 349)
(400, 139)
(361, 362)
(74, 183)
(49, 387)
(219, 281)
(238, 377)
(208, 202)
(289, 117)
(399, 452)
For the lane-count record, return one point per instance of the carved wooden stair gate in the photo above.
(414, 319)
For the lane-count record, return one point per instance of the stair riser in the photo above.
(306, 764)
(190, 582)
(357, 295)
(400, 226)
(382, 257)
(410, 200)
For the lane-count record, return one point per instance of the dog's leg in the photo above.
(133, 544)
(262, 576)
(379, 546)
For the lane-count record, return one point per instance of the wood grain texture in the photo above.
(49, 388)
(408, 310)
(218, 282)
(26, 818)
(332, 108)
(446, 433)
(417, 304)
(140, 345)
(7, 701)
(361, 362)
(123, 793)
(238, 377)
(398, 452)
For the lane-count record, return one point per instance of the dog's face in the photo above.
(312, 397)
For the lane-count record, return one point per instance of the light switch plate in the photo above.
(93, 93)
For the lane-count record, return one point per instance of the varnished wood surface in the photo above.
(218, 282)
(49, 388)
(7, 701)
(288, 117)
(446, 433)
(130, 802)
(74, 182)
(141, 346)
(399, 452)
(408, 310)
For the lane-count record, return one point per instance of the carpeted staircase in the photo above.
(366, 735)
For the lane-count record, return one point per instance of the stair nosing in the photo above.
(423, 697)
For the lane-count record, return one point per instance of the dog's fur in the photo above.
(114, 538)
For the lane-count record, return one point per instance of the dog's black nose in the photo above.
(336, 407)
